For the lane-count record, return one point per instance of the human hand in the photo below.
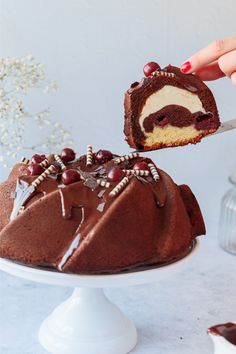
(216, 60)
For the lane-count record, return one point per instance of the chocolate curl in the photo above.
(25, 161)
(89, 158)
(103, 183)
(44, 163)
(60, 162)
(162, 73)
(41, 178)
(131, 156)
(154, 172)
(136, 172)
(120, 186)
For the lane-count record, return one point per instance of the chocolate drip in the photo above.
(73, 245)
(77, 195)
(68, 202)
(226, 330)
(159, 193)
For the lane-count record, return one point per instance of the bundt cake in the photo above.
(98, 213)
(168, 108)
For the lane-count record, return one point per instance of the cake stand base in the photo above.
(88, 323)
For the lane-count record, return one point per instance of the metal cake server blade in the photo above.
(224, 127)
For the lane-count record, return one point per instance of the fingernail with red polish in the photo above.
(185, 67)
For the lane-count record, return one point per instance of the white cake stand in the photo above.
(88, 323)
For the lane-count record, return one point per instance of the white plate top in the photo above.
(151, 275)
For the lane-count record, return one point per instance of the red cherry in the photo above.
(141, 166)
(34, 170)
(103, 156)
(115, 174)
(67, 154)
(150, 67)
(70, 176)
(163, 121)
(36, 158)
(204, 122)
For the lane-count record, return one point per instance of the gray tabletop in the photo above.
(171, 316)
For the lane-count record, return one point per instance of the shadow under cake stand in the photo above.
(88, 323)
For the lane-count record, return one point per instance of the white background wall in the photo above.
(95, 49)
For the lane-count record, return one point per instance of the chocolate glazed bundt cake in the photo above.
(99, 213)
(168, 108)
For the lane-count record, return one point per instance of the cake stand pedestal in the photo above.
(88, 323)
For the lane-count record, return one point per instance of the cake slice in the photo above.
(168, 108)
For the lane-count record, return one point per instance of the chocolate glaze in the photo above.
(226, 330)
(137, 95)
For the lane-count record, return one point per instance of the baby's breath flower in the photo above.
(51, 86)
(17, 77)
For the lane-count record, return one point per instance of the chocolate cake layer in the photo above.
(178, 116)
(99, 213)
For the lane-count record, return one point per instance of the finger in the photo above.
(209, 54)
(210, 72)
(227, 63)
(233, 78)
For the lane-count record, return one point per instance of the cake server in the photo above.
(225, 126)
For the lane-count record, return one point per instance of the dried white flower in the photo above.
(17, 77)
(51, 86)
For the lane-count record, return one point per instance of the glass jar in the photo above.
(227, 222)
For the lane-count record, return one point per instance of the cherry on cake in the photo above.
(168, 108)
(95, 213)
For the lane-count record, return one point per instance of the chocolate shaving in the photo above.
(101, 207)
(91, 183)
(101, 193)
(23, 193)
(88, 178)
(99, 173)
(191, 88)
